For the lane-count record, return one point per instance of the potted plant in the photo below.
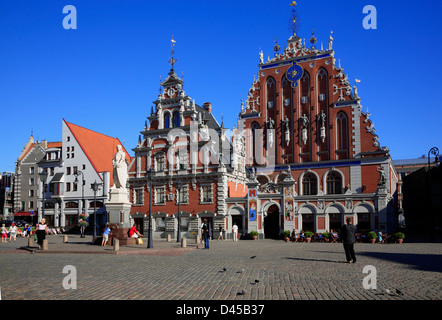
(308, 236)
(399, 236)
(254, 234)
(372, 236)
(326, 236)
(286, 235)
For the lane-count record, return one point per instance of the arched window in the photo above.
(309, 184)
(342, 128)
(176, 119)
(334, 183)
(342, 136)
(167, 120)
(257, 143)
(271, 92)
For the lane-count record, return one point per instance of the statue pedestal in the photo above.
(119, 212)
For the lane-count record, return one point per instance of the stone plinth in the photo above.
(119, 212)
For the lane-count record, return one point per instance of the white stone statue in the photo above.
(120, 169)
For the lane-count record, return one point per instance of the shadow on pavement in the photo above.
(424, 262)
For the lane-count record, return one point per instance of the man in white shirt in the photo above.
(235, 232)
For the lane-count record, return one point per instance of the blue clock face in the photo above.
(294, 73)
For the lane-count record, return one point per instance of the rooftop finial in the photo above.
(172, 60)
(294, 21)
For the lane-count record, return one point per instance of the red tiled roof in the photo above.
(100, 149)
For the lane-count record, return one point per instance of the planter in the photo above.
(399, 241)
(254, 237)
(372, 240)
(308, 239)
(286, 239)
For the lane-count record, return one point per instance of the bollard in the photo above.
(116, 244)
(168, 238)
(65, 238)
(30, 241)
(183, 243)
(197, 240)
(45, 245)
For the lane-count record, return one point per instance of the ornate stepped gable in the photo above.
(304, 103)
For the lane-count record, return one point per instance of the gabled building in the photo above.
(314, 153)
(191, 163)
(84, 157)
(26, 179)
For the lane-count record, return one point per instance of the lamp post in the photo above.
(95, 187)
(179, 186)
(43, 177)
(435, 152)
(150, 240)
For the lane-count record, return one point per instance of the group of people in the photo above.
(206, 232)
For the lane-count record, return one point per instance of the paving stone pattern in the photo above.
(293, 271)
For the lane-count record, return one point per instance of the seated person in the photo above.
(133, 232)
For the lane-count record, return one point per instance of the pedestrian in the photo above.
(4, 233)
(235, 232)
(206, 235)
(28, 231)
(41, 231)
(220, 232)
(349, 239)
(12, 232)
(82, 227)
(105, 235)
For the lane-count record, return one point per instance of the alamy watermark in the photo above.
(370, 20)
(70, 20)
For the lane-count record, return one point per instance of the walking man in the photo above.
(206, 236)
(349, 239)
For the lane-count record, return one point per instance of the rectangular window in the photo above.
(207, 194)
(160, 163)
(31, 181)
(138, 196)
(68, 170)
(184, 195)
(160, 196)
(31, 193)
(68, 186)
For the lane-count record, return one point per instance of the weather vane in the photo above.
(172, 60)
(294, 21)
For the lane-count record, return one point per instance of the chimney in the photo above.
(207, 106)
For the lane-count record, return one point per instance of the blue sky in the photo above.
(105, 74)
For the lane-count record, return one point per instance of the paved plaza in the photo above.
(254, 270)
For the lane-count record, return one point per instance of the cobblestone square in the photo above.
(283, 271)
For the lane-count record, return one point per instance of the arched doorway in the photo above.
(364, 213)
(237, 217)
(271, 222)
(335, 216)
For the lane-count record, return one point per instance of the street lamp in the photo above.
(179, 186)
(150, 240)
(43, 177)
(435, 152)
(95, 187)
